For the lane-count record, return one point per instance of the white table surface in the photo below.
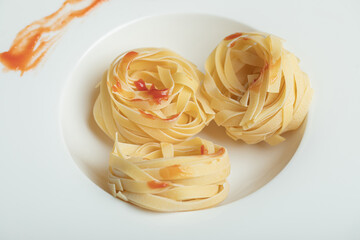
(44, 195)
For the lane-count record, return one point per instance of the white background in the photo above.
(44, 195)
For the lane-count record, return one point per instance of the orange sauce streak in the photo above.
(255, 86)
(232, 36)
(232, 44)
(173, 172)
(140, 85)
(32, 43)
(116, 87)
(157, 94)
(148, 115)
(203, 150)
(220, 151)
(136, 100)
(126, 60)
(156, 184)
(274, 70)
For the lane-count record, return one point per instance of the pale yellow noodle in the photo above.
(256, 88)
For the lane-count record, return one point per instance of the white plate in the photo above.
(252, 165)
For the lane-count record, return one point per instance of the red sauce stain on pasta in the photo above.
(173, 172)
(136, 100)
(33, 42)
(232, 36)
(156, 184)
(148, 115)
(126, 60)
(203, 150)
(255, 86)
(116, 87)
(221, 151)
(140, 85)
(156, 94)
(274, 70)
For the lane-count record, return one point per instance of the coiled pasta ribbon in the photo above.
(151, 94)
(256, 88)
(165, 177)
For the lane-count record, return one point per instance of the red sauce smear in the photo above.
(254, 85)
(116, 87)
(232, 36)
(232, 44)
(126, 60)
(140, 85)
(157, 94)
(220, 151)
(32, 43)
(148, 115)
(203, 150)
(174, 171)
(136, 100)
(156, 184)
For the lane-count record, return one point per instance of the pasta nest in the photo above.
(151, 94)
(166, 177)
(256, 88)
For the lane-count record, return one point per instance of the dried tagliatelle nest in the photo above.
(256, 88)
(151, 94)
(164, 177)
